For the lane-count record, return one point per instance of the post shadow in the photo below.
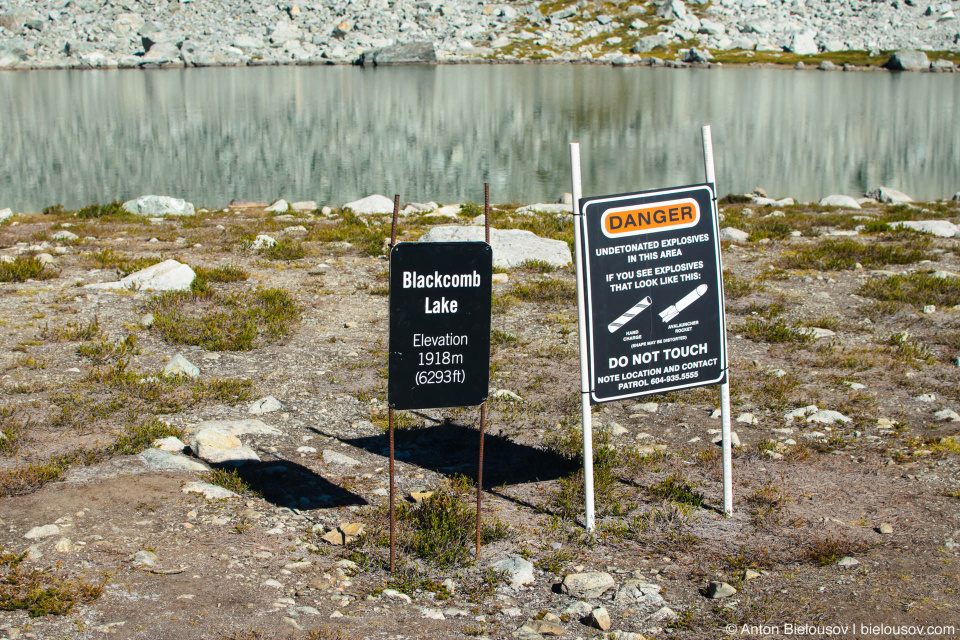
(287, 484)
(450, 448)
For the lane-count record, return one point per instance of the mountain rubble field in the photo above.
(211, 461)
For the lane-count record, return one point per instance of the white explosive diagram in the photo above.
(666, 315)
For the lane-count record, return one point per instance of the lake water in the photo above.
(334, 134)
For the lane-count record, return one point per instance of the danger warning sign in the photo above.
(654, 296)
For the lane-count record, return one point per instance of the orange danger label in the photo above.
(662, 216)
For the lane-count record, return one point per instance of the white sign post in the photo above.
(650, 300)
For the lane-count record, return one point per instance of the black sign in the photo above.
(653, 292)
(439, 324)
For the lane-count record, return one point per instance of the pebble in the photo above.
(396, 595)
(599, 618)
(519, 571)
(885, 528)
(265, 405)
(847, 562)
(180, 366)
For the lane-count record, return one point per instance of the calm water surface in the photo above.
(333, 134)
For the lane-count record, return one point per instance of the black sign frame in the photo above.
(674, 244)
(440, 310)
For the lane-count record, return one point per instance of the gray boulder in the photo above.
(511, 247)
(371, 205)
(696, 55)
(672, 9)
(844, 202)
(939, 228)
(803, 44)
(733, 235)
(158, 206)
(169, 275)
(12, 22)
(888, 195)
(649, 43)
(908, 60)
(408, 53)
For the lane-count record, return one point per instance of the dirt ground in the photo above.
(882, 488)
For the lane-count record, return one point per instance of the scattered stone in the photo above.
(393, 594)
(371, 205)
(734, 439)
(420, 496)
(617, 430)
(265, 405)
(64, 545)
(818, 333)
(926, 397)
(733, 235)
(335, 457)
(64, 236)
(885, 528)
(519, 571)
(578, 609)
(750, 574)
(747, 418)
(827, 417)
(504, 394)
(158, 206)
(248, 426)
(304, 205)
(717, 590)
(599, 618)
(847, 562)
(180, 366)
(544, 628)
(278, 206)
(168, 275)
(262, 241)
(145, 558)
(511, 247)
(844, 202)
(659, 617)
(164, 460)
(5, 214)
(210, 491)
(888, 195)
(947, 415)
(800, 414)
(41, 532)
(588, 585)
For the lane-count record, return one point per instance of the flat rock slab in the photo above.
(888, 195)
(169, 275)
(249, 426)
(335, 457)
(939, 228)
(511, 247)
(210, 491)
(844, 202)
(167, 461)
(156, 206)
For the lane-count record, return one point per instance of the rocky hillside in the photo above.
(150, 33)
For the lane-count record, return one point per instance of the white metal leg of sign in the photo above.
(582, 331)
(725, 387)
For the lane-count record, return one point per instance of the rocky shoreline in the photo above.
(82, 34)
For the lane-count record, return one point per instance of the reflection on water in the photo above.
(333, 134)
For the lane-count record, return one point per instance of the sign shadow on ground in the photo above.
(284, 484)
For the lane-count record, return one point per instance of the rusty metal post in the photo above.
(483, 428)
(393, 227)
(483, 407)
(393, 513)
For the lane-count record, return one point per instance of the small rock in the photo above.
(265, 405)
(41, 532)
(262, 241)
(827, 417)
(747, 418)
(908, 60)
(734, 439)
(169, 275)
(371, 205)
(947, 415)
(396, 595)
(170, 444)
(599, 619)
(733, 235)
(180, 366)
(926, 397)
(885, 528)
(164, 460)
(544, 628)
(588, 585)
(750, 574)
(157, 206)
(888, 195)
(64, 545)
(519, 571)
(145, 558)
(844, 202)
(847, 562)
(335, 457)
(717, 590)
(279, 205)
(210, 491)
(64, 236)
